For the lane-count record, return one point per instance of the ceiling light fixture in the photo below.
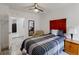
(36, 8)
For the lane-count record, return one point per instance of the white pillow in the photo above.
(55, 32)
(67, 36)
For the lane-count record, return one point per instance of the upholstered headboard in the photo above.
(58, 24)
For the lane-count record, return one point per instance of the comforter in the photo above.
(46, 45)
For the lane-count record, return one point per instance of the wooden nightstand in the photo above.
(71, 47)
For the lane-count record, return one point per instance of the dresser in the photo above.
(15, 45)
(71, 47)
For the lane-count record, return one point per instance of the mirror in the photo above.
(30, 27)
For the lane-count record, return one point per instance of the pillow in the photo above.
(54, 32)
(57, 32)
(38, 33)
(67, 36)
(60, 33)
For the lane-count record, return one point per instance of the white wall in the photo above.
(4, 31)
(71, 13)
(44, 22)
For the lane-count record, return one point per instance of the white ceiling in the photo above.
(46, 6)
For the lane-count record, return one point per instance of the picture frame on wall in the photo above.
(31, 27)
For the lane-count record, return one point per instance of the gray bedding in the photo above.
(49, 44)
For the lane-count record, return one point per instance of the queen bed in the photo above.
(44, 45)
(51, 44)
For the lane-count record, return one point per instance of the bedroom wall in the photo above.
(71, 13)
(44, 22)
(3, 12)
(4, 31)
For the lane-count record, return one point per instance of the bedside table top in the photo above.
(73, 41)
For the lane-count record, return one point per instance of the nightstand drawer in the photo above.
(74, 48)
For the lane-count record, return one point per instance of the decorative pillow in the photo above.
(57, 32)
(54, 32)
(67, 36)
(60, 33)
(38, 33)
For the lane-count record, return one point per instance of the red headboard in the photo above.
(58, 24)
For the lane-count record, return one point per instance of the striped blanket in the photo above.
(46, 45)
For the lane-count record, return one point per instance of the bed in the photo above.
(45, 45)
(51, 44)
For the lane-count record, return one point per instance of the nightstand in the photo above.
(71, 47)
